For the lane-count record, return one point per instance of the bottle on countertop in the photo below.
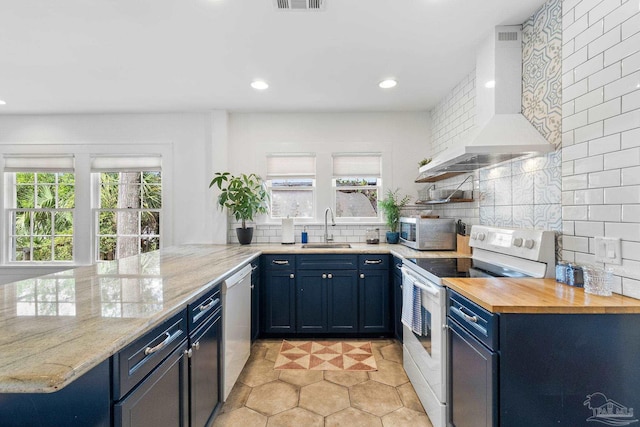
(305, 237)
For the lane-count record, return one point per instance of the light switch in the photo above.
(608, 250)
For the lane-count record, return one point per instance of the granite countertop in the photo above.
(57, 327)
(538, 296)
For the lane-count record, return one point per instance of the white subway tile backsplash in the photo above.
(622, 86)
(601, 9)
(604, 111)
(588, 164)
(622, 195)
(575, 213)
(588, 100)
(584, 7)
(567, 138)
(631, 176)
(621, 50)
(593, 196)
(568, 108)
(575, 182)
(631, 287)
(620, 14)
(589, 132)
(568, 198)
(622, 159)
(568, 227)
(630, 250)
(623, 230)
(604, 145)
(575, 90)
(571, 30)
(631, 138)
(610, 178)
(631, 26)
(622, 123)
(588, 35)
(604, 76)
(576, 151)
(630, 64)
(588, 68)
(631, 101)
(589, 228)
(604, 213)
(574, 243)
(631, 213)
(604, 43)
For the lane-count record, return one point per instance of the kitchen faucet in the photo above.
(328, 239)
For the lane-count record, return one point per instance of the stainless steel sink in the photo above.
(326, 246)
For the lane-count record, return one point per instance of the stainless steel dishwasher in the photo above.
(236, 325)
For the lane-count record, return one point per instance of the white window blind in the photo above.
(291, 165)
(126, 163)
(38, 163)
(369, 164)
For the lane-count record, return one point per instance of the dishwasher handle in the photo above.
(237, 277)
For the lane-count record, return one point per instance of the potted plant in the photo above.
(245, 196)
(391, 206)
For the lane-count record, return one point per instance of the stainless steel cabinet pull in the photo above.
(280, 262)
(399, 266)
(188, 353)
(291, 276)
(208, 306)
(252, 286)
(163, 344)
(324, 276)
(330, 276)
(373, 261)
(197, 345)
(362, 275)
(254, 267)
(473, 319)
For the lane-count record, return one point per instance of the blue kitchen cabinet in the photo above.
(278, 294)
(255, 299)
(311, 301)
(342, 296)
(375, 294)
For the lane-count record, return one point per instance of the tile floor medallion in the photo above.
(326, 356)
(265, 396)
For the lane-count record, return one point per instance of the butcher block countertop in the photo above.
(538, 296)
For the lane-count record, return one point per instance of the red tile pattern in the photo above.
(326, 356)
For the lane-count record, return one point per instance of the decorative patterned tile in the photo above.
(522, 216)
(522, 189)
(548, 217)
(547, 186)
(503, 196)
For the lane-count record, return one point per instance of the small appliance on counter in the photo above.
(426, 234)
(287, 231)
(373, 236)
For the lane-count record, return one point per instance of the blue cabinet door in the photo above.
(204, 372)
(375, 307)
(279, 301)
(342, 306)
(311, 301)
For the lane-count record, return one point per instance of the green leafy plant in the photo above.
(424, 162)
(391, 206)
(244, 195)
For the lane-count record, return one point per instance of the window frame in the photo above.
(378, 187)
(288, 175)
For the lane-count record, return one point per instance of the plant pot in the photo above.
(393, 237)
(244, 235)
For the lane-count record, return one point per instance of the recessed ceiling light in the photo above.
(490, 84)
(259, 84)
(387, 84)
(2, 102)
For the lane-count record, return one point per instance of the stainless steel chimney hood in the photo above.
(502, 132)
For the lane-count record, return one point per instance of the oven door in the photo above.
(428, 350)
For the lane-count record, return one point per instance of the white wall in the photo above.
(403, 138)
(193, 153)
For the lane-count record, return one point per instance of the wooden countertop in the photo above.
(538, 296)
(57, 327)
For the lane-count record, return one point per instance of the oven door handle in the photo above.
(427, 287)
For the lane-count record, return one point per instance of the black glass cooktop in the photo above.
(462, 267)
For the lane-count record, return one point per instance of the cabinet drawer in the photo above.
(327, 262)
(279, 262)
(377, 261)
(203, 307)
(482, 324)
(138, 359)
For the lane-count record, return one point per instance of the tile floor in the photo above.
(291, 398)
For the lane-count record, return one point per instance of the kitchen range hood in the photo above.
(502, 132)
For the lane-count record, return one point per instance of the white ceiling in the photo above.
(84, 56)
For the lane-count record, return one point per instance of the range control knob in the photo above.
(529, 243)
(474, 236)
(517, 242)
(481, 236)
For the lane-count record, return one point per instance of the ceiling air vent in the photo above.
(507, 36)
(299, 4)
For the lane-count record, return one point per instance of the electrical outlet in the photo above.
(608, 250)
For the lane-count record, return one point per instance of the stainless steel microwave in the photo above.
(428, 234)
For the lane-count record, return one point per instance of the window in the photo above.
(291, 183)
(357, 182)
(40, 208)
(129, 207)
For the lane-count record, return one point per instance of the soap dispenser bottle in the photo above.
(304, 238)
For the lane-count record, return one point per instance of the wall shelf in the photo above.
(440, 177)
